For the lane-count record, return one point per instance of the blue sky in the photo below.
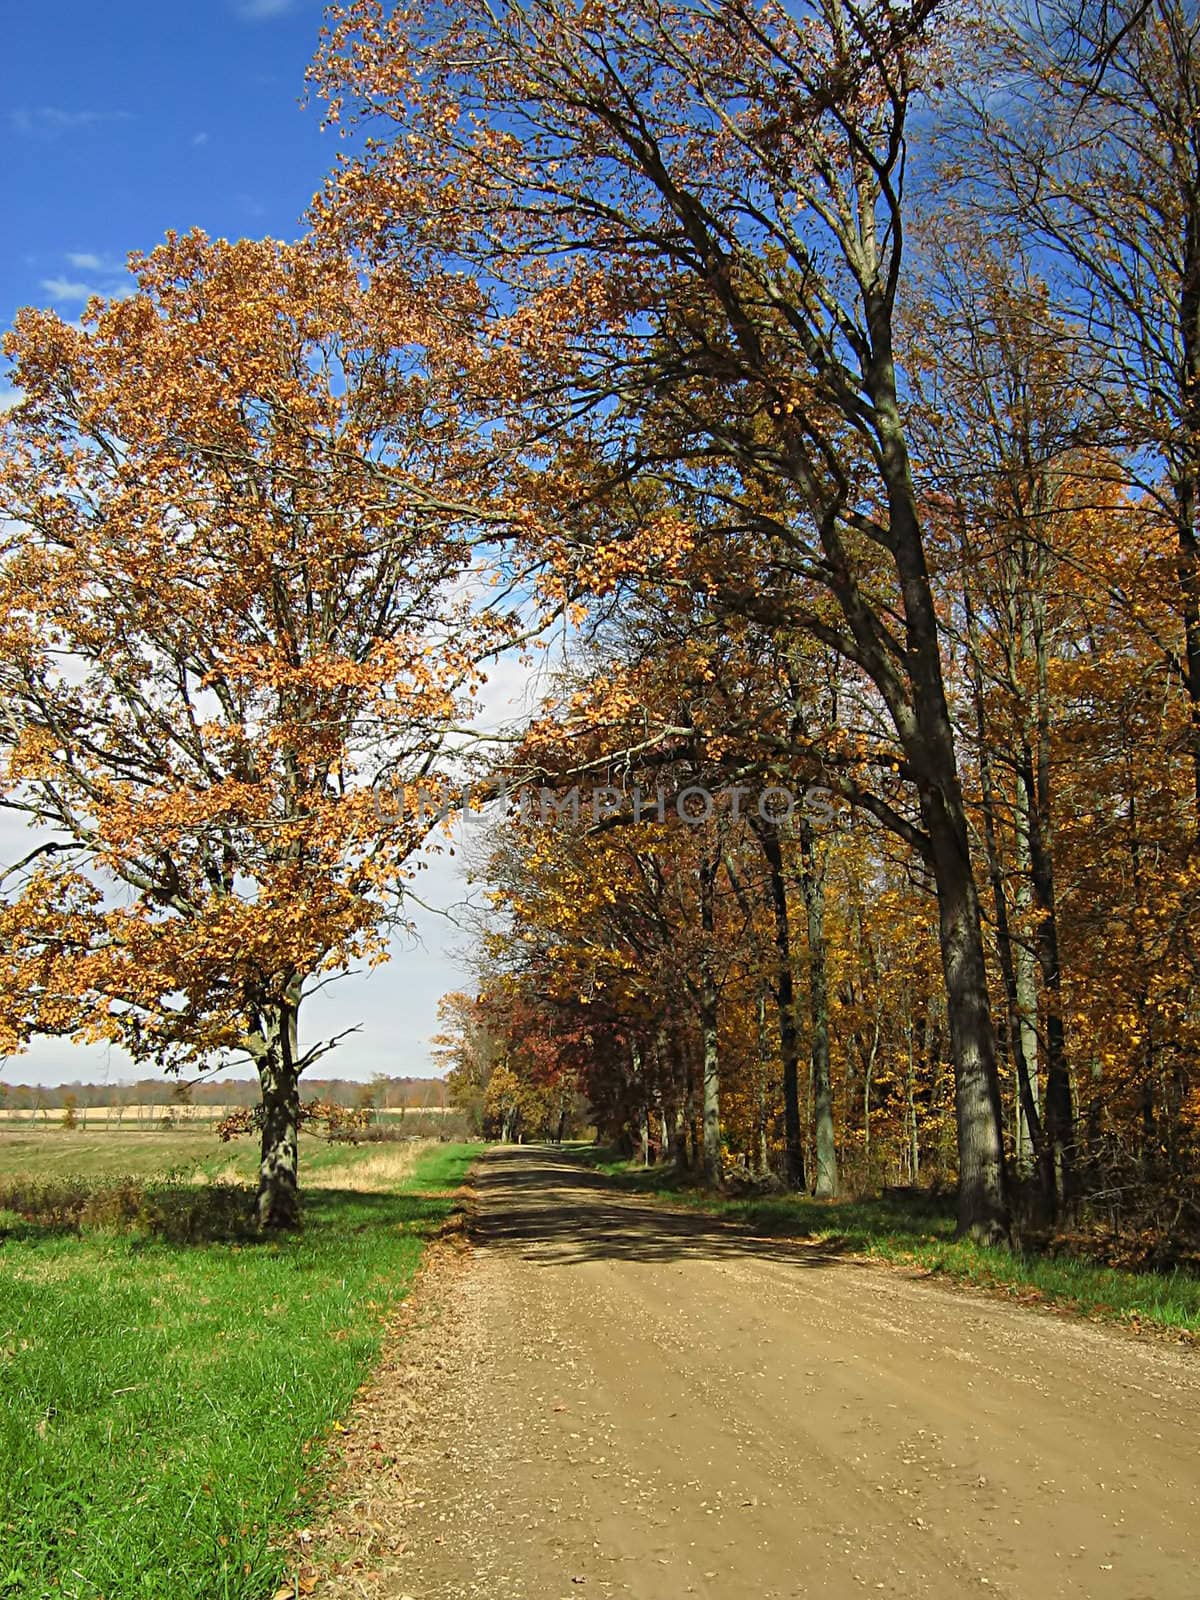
(119, 122)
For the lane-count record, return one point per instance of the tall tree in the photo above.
(234, 605)
(1007, 453)
(1094, 156)
(690, 220)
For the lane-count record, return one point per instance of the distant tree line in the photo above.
(382, 1092)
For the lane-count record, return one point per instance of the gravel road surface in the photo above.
(608, 1397)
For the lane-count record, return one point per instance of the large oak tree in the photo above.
(236, 603)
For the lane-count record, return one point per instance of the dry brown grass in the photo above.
(130, 1118)
(384, 1169)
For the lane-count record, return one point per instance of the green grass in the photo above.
(163, 1407)
(444, 1166)
(187, 1155)
(921, 1232)
(54, 1152)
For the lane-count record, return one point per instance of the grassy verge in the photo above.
(921, 1232)
(162, 1406)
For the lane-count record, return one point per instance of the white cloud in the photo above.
(106, 278)
(199, 138)
(49, 122)
(514, 688)
(262, 10)
(395, 1005)
(60, 289)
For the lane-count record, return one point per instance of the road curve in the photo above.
(613, 1398)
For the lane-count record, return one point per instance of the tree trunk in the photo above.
(1025, 995)
(812, 887)
(1059, 1115)
(762, 1164)
(910, 1088)
(672, 1076)
(640, 1089)
(669, 1135)
(709, 1003)
(922, 718)
(785, 1001)
(1187, 469)
(277, 1205)
(712, 1083)
(1032, 1144)
(1017, 962)
(690, 1142)
(869, 1058)
(982, 1183)
(867, 1121)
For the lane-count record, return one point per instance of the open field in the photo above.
(131, 1118)
(192, 1155)
(163, 1406)
(144, 1117)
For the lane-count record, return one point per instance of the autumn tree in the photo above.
(689, 225)
(656, 707)
(1009, 464)
(1090, 154)
(603, 927)
(465, 1047)
(673, 699)
(236, 607)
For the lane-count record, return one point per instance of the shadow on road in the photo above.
(538, 1200)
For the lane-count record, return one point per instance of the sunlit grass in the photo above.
(162, 1406)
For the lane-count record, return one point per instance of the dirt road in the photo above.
(615, 1399)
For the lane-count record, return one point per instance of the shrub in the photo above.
(162, 1209)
